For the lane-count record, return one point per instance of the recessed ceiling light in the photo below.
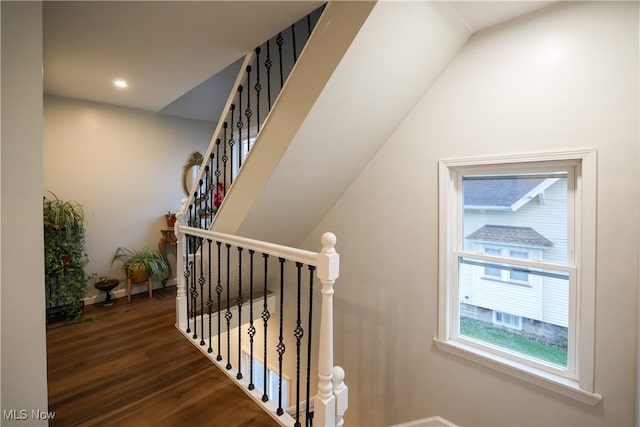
(120, 83)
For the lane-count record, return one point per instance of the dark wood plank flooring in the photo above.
(132, 367)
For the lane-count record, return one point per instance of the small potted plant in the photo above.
(171, 219)
(139, 264)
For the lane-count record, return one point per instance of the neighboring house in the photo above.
(525, 219)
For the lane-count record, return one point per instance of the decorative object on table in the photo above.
(171, 219)
(106, 285)
(141, 265)
(64, 258)
(168, 238)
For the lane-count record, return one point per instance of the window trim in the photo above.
(505, 276)
(582, 322)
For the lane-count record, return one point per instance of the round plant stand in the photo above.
(107, 286)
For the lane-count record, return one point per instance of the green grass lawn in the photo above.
(513, 341)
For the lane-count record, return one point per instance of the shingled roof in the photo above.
(513, 235)
(498, 192)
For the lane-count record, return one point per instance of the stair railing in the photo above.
(226, 303)
(263, 74)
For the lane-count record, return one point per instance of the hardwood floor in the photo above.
(132, 367)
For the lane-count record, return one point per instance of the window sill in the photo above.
(564, 386)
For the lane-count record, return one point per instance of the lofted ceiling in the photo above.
(180, 57)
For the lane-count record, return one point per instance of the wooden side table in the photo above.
(168, 238)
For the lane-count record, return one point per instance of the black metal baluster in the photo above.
(209, 300)
(252, 329)
(217, 199)
(309, 24)
(240, 302)
(240, 126)
(199, 205)
(293, 41)
(308, 413)
(187, 274)
(211, 188)
(280, 42)
(265, 318)
(248, 113)
(219, 292)
(298, 333)
(225, 158)
(227, 314)
(194, 292)
(193, 215)
(258, 88)
(201, 281)
(232, 142)
(207, 198)
(280, 347)
(268, 64)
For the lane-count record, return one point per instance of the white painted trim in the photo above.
(427, 422)
(582, 308)
(509, 159)
(292, 254)
(547, 380)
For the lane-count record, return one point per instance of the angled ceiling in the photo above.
(480, 15)
(180, 57)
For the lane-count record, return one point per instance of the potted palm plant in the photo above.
(140, 264)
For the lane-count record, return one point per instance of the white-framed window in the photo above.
(273, 379)
(507, 320)
(245, 144)
(491, 270)
(505, 273)
(498, 215)
(519, 275)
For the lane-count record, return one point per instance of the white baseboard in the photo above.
(428, 422)
(119, 293)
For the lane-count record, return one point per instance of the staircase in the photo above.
(254, 307)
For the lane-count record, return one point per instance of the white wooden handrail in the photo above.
(331, 399)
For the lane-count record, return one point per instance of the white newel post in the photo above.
(181, 298)
(341, 392)
(328, 271)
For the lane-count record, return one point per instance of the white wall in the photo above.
(396, 55)
(562, 78)
(24, 363)
(124, 166)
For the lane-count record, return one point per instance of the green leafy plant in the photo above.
(65, 257)
(143, 260)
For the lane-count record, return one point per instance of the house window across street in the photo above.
(507, 320)
(516, 267)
